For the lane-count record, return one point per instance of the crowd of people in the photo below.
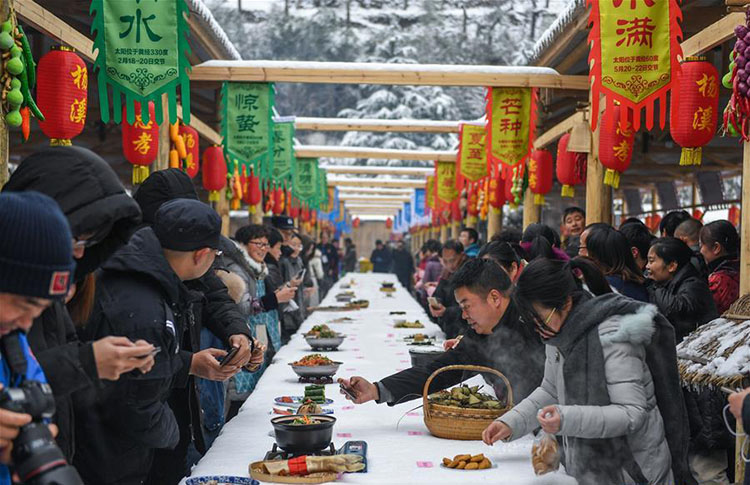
(584, 321)
(144, 326)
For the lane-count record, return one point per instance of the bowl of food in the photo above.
(387, 284)
(322, 337)
(303, 433)
(315, 365)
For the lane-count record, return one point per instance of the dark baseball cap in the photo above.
(187, 225)
(282, 222)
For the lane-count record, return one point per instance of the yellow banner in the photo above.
(445, 173)
(472, 155)
(430, 191)
(509, 128)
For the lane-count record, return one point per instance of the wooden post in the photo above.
(598, 195)
(745, 223)
(494, 222)
(4, 142)
(222, 207)
(531, 211)
(472, 222)
(165, 143)
(455, 230)
(444, 232)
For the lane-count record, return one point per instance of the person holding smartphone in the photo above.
(293, 272)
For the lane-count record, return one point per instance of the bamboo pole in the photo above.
(494, 222)
(531, 211)
(165, 142)
(598, 195)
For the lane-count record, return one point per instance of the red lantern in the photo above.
(278, 201)
(214, 171)
(355, 223)
(191, 164)
(616, 143)
(734, 215)
(62, 94)
(305, 214)
(140, 142)
(294, 210)
(497, 193)
(694, 112)
(472, 207)
(540, 167)
(388, 223)
(508, 190)
(571, 167)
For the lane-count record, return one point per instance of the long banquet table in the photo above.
(398, 452)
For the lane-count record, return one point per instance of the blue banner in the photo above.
(407, 213)
(419, 201)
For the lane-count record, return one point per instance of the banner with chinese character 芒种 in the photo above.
(247, 124)
(142, 54)
(472, 154)
(511, 120)
(634, 56)
(283, 152)
(445, 184)
(305, 180)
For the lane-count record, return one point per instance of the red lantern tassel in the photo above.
(691, 156)
(538, 199)
(140, 174)
(568, 191)
(612, 177)
(213, 195)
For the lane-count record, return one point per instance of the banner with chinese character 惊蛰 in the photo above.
(283, 152)
(142, 54)
(445, 184)
(472, 154)
(634, 56)
(247, 125)
(305, 183)
(511, 119)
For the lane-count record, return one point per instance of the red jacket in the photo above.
(724, 282)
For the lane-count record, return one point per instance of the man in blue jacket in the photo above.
(36, 268)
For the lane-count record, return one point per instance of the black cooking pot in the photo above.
(421, 356)
(303, 438)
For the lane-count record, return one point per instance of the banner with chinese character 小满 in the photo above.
(305, 180)
(283, 152)
(634, 55)
(142, 54)
(472, 154)
(445, 184)
(511, 119)
(247, 124)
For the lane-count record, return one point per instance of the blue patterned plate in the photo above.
(221, 480)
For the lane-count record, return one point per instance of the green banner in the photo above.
(143, 49)
(283, 152)
(247, 124)
(305, 183)
(322, 192)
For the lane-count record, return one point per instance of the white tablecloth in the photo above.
(397, 453)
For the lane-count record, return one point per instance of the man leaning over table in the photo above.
(496, 338)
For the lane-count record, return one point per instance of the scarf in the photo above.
(255, 269)
(601, 461)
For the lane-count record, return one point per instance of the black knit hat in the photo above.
(187, 225)
(160, 187)
(36, 249)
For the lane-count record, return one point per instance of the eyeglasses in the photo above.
(259, 244)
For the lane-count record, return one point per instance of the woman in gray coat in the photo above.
(610, 388)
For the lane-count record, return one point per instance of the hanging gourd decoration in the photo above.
(236, 186)
(508, 185)
(17, 77)
(571, 167)
(388, 223)
(191, 163)
(355, 223)
(140, 142)
(541, 165)
(694, 112)
(737, 113)
(616, 144)
(214, 172)
(62, 94)
(496, 194)
(516, 175)
(278, 201)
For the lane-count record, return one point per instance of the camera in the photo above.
(36, 457)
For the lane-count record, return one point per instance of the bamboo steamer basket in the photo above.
(455, 423)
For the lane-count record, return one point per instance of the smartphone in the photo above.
(153, 352)
(434, 303)
(300, 275)
(347, 392)
(228, 358)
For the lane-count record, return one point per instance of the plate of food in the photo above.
(298, 401)
(468, 462)
(407, 324)
(315, 365)
(419, 339)
(323, 337)
(358, 304)
(342, 320)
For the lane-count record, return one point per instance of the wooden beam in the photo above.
(314, 151)
(375, 190)
(377, 182)
(551, 135)
(403, 126)
(385, 73)
(371, 170)
(564, 40)
(202, 128)
(372, 198)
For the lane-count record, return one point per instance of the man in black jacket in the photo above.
(497, 338)
(447, 312)
(141, 295)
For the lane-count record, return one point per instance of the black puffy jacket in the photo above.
(96, 205)
(139, 297)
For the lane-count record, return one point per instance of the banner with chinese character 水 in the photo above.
(142, 54)
(445, 184)
(634, 55)
(511, 118)
(305, 183)
(472, 154)
(283, 152)
(247, 124)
